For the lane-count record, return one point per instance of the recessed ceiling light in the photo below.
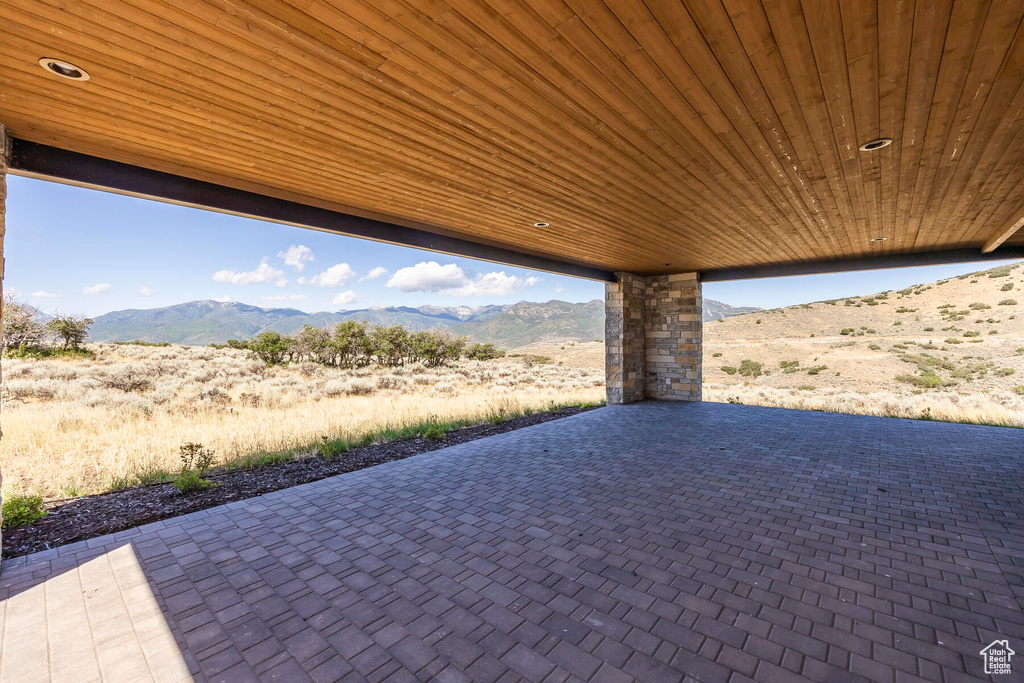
(875, 144)
(879, 239)
(59, 67)
(541, 224)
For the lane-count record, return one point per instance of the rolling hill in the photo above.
(205, 322)
(961, 334)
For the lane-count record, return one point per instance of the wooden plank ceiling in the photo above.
(653, 135)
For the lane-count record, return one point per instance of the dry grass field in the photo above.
(948, 350)
(72, 427)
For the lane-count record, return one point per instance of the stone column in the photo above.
(674, 333)
(5, 147)
(653, 338)
(624, 339)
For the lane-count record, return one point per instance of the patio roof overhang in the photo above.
(721, 137)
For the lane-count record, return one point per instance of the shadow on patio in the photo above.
(652, 542)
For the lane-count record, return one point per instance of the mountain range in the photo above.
(508, 325)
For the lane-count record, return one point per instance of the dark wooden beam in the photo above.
(60, 165)
(864, 263)
(927, 258)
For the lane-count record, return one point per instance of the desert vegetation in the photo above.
(951, 350)
(83, 418)
(355, 344)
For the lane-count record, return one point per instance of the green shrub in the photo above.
(434, 433)
(816, 369)
(847, 330)
(1019, 390)
(1003, 372)
(196, 461)
(19, 510)
(978, 306)
(954, 340)
(971, 333)
(716, 354)
(874, 347)
(190, 482)
(46, 352)
(1007, 287)
(926, 380)
(484, 352)
(758, 321)
(728, 369)
(1008, 302)
(749, 368)
(789, 364)
(806, 387)
(929, 329)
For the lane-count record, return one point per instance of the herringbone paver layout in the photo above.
(652, 542)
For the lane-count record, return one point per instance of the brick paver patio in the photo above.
(653, 542)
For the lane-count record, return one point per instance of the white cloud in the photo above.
(284, 297)
(144, 291)
(98, 288)
(45, 295)
(491, 284)
(296, 256)
(559, 289)
(335, 276)
(429, 276)
(346, 298)
(264, 273)
(377, 272)
(451, 280)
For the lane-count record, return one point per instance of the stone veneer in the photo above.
(653, 334)
(624, 339)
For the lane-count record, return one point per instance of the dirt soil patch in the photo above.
(106, 513)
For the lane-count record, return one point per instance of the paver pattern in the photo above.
(653, 542)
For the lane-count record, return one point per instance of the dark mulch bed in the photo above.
(105, 513)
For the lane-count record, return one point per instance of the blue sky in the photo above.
(78, 251)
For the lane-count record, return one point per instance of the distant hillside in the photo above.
(982, 301)
(716, 310)
(203, 322)
(526, 322)
(955, 338)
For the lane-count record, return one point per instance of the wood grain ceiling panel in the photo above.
(705, 134)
